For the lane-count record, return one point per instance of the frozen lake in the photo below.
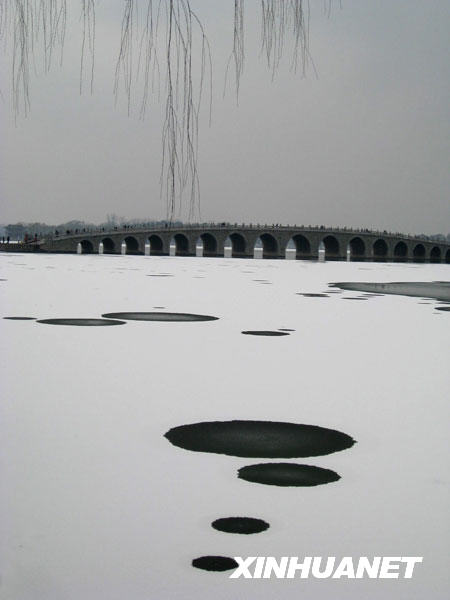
(97, 504)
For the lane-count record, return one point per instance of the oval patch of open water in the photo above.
(259, 439)
(159, 316)
(242, 525)
(287, 475)
(82, 322)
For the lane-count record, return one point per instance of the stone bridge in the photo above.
(247, 241)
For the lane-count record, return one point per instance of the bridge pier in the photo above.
(227, 248)
(321, 253)
(199, 246)
(291, 250)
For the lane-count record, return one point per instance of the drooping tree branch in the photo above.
(88, 41)
(163, 44)
(31, 23)
(237, 54)
(139, 61)
(279, 17)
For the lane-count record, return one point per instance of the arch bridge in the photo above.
(248, 241)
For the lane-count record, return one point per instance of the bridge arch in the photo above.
(357, 248)
(380, 249)
(87, 247)
(238, 244)
(209, 244)
(447, 256)
(302, 245)
(331, 247)
(435, 254)
(181, 244)
(400, 251)
(108, 245)
(419, 253)
(131, 245)
(156, 245)
(269, 245)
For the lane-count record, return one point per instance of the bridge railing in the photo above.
(141, 228)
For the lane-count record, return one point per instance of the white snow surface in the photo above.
(97, 505)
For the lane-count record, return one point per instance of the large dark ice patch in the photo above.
(158, 316)
(259, 439)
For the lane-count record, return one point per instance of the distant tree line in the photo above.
(18, 231)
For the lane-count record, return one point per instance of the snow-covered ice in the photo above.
(97, 504)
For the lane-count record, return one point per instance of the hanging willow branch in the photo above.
(279, 17)
(157, 37)
(88, 41)
(180, 130)
(148, 57)
(31, 23)
(237, 55)
(175, 22)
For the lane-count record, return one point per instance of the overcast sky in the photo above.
(363, 143)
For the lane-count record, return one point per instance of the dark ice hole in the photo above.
(444, 308)
(214, 563)
(312, 295)
(20, 318)
(263, 332)
(287, 474)
(245, 525)
(259, 439)
(285, 329)
(350, 298)
(82, 322)
(158, 316)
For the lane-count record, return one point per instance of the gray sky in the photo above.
(365, 143)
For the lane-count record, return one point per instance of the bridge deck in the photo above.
(265, 241)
